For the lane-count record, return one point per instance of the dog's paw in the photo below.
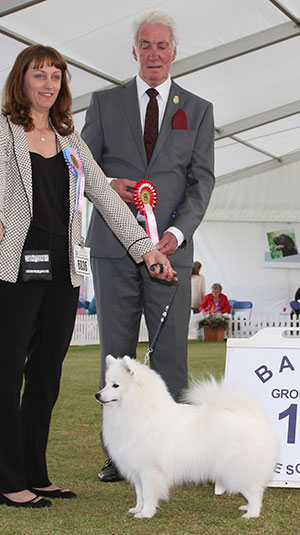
(243, 508)
(134, 510)
(219, 489)
(145, 514)
(249, 515)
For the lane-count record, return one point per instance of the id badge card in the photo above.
(82, 260)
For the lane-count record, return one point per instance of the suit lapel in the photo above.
(22, 155)
(132, 112)
(171, 108)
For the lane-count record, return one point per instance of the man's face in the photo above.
(154, 53)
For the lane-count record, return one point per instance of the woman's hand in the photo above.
(1, 231)
(165, 272)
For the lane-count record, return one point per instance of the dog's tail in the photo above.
(222, 394)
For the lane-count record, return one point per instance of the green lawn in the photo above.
(101, 508)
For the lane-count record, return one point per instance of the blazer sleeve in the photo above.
(199, 175)
(115, 212)
(3, 167)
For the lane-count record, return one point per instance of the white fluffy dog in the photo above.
(221, 436)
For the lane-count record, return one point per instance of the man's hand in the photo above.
(165, 272)
(167, 244)
(121, 186)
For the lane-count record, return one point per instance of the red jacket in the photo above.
(208, 302)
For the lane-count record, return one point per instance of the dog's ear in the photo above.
(128, 364)
(109, 360)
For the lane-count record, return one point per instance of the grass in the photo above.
(101, 508)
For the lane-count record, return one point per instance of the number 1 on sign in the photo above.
(291, 413)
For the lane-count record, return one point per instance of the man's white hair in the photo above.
(156, 17)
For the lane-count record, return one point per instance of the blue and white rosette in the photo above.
(75, 164)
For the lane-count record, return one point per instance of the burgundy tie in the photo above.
(151, 123)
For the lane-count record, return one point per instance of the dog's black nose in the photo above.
(97, 396)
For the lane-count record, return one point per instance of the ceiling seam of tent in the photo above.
(253, 147)
(260, 119)
(285, 11)
(17, 6)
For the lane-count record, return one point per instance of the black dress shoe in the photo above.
(109, 473)
(58, 493)
(36, 503)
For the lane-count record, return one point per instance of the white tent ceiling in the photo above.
(243, 55)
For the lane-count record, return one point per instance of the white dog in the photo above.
(222, 436)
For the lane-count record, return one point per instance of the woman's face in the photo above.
(42, 85)
(215, 293)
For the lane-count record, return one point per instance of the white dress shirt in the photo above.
(143, 99)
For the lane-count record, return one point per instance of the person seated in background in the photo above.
(198, 286)
(80, 307)
(215, 302)
(92, 307)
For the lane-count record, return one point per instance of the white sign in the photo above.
(268, 364)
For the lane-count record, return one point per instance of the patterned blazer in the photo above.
(16, 203)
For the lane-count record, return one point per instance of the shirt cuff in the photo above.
(177, 233)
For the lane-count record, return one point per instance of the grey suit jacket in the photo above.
(181, 167)
(16, 203)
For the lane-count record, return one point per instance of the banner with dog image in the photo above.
(282, 248)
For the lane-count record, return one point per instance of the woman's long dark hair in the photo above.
(16, 104)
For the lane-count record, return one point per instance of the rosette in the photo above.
(145, 199)
(75, 164)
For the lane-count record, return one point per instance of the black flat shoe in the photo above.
(36, 503)
(109, 473)
(58, 493)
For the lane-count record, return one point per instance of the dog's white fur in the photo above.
(221, 436)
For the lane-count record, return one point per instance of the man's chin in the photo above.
(154, 77)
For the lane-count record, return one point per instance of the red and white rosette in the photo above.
(145, 199)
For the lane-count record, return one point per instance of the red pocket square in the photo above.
(179, 121)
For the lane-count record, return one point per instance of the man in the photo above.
(181, 169)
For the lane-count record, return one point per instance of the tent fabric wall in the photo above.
(231, 241)
(269, 196)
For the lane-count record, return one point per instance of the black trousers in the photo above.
(36, 324)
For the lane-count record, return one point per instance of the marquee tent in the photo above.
(243, 55)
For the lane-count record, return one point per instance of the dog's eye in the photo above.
(115, 385)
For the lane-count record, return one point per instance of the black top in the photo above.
(46, 172)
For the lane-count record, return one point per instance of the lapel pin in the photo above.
(175, 99)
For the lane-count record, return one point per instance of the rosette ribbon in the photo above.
(75, 164)
(145, 199)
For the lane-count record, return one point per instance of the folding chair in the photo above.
(231, 302)
(295, 306)
(242, 309)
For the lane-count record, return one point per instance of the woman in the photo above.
(198, 286)
(40, 211)
(215, 302)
